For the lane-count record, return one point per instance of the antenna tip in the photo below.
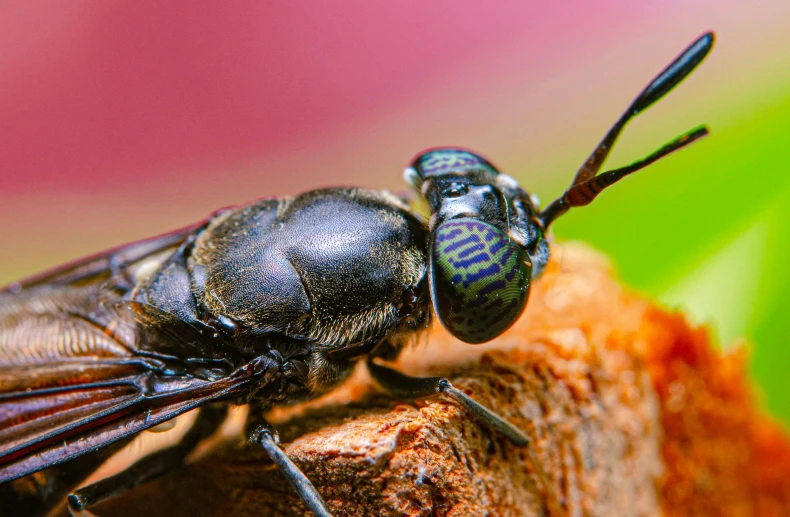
(706, 41)
(695, 134)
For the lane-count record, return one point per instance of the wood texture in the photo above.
(631, 410)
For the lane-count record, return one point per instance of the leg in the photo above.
(262, 433)
(401, 385)
(152, 466)
(407, 387)
(37, 494)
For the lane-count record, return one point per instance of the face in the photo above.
(486, 242)
(487, 237)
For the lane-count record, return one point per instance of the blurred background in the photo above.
(121, 120)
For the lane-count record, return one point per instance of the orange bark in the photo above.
(631, 412)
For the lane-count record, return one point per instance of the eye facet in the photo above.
(479, 279)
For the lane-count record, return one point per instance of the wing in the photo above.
(71, 377)
(53, 413)
(70, 312)
(109, 262)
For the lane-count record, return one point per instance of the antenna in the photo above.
(587, 184)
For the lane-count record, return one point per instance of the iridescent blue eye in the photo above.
(479, 279)
(448, 160)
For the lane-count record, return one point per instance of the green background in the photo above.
(708, 230)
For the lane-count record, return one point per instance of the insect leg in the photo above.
(209, 419)
(266, 436)
(38, 494)
(405, 386)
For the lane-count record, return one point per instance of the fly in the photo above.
(270, 303)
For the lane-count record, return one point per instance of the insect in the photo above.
(271, 303)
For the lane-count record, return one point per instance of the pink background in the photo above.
(121, 120)
(125, 119)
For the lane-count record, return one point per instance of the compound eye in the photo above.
(479, 279)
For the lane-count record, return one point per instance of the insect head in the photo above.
(488, 237)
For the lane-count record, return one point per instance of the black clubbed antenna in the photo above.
(586, 184)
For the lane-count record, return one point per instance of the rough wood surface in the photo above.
(631, 412)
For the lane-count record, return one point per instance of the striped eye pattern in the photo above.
(479, 279)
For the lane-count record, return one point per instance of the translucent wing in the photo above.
(109, 262)
(71, 377)
(43, 424)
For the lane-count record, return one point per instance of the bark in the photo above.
(631, 412)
